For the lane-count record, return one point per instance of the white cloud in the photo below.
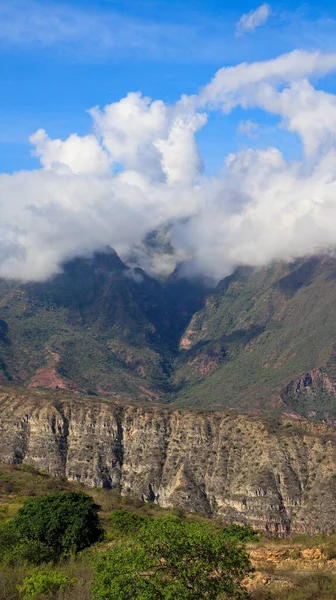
(140, 170)
(232, 86)
(248, 128)
(75, 155)
(253, 19)
(151, 137)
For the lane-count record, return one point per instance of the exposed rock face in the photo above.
(275, 475)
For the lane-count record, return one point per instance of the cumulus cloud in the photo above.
(140, 171)
(250, 21)
(75, 155)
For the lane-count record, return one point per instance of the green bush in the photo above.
(43, 582)
(14, 550)
(8, 537)
(171, 559)
(126, 523)
(27, 551)
(241, 533)
(66, 522)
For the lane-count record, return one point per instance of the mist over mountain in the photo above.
(140, 170)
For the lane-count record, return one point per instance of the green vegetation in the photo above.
(125, 523)
(66, 522)
(50, 527)
(154, 554)
(146, 553)
(43, 583)
(101, 329)
(169, 558)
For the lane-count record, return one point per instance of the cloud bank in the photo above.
(253, 19)
(140, 171)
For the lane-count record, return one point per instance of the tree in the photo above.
(170, 559)
(65, 522)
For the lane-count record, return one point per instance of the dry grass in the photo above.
(307, 586)
(300, 568)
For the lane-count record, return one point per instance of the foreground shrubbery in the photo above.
(48, 551)
(45, 583)
(66, 522)
(50, 527)
(168, 558)
(151, 559)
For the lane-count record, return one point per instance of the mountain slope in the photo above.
(262, 340)
(265, 338)
(97, 327)
(276, 474)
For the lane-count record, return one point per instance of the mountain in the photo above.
(265, 339)
(98, 327)
(262, 340)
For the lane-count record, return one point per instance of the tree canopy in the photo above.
(65, 522)
(171, 559)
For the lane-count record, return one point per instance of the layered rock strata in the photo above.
(276, 475)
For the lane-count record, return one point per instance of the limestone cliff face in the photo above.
(275, 475)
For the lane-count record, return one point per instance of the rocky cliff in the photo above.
(278, 475)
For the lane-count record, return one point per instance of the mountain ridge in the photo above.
(261, 340)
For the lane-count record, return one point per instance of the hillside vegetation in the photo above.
(300, 568)
(263, 339)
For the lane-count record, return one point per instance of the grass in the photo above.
(298, 568)
(315, 586)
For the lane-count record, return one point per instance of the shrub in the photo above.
(14, 550)
(27, 551)
(125, 522)
(331, 547)
(171, 559)
(8, 538)
(43, 582)
(66, 522)
(241, 533)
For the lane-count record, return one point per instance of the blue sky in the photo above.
(234, 159)
(59, 59)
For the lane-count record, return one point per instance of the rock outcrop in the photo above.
(276, 475)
